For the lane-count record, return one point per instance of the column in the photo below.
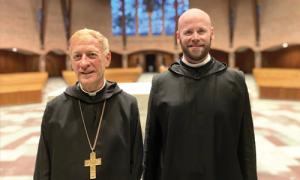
(68, 63)
(257, 60)
(42, 63)
(159, 59)
(231, 57)
(125, 61)
(142, 60)
(176, 57)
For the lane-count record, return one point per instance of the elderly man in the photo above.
(92, 130)
(199, 123)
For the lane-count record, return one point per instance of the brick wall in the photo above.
(218, 11)
(55, 36)
(244, 31)
(19, 27)
(279, 22)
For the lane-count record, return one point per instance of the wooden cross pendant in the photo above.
(92, 163)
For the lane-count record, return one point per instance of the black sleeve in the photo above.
(152, 143)
(246, 148)
(42, 164)
(136, 144)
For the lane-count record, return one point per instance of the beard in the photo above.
(195, 56)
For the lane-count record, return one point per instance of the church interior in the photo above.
(259, 37)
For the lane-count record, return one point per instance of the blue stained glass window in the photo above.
(143, 21)
(183, 5)
(169, 17)
(130, 17)
(157, 17)
(116, 11)
(143, 18)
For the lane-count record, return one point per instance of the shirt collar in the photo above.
(94, 92)
(202, 63)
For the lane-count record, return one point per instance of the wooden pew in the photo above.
(69, 77)
(22, 88)
(23, 78)
(276, 83)
(112, 74)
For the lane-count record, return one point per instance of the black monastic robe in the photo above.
(64, 147)
(199, 125)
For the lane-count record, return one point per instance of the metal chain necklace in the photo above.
(93, 161)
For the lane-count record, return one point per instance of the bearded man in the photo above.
(199, 123)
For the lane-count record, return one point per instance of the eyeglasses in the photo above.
(90, 55)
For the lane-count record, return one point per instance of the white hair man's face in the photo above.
(88, 62)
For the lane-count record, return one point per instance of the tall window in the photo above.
(170, 17)
(160, 13)
(116, 11)
(156, 18)
(143, 18)
(130, 17)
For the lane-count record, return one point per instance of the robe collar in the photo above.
(110, 89)
(212, 67)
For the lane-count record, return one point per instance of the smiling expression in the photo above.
(88, 61)
(194, 35)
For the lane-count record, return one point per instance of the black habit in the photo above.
(199, 125)
(64, 147)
